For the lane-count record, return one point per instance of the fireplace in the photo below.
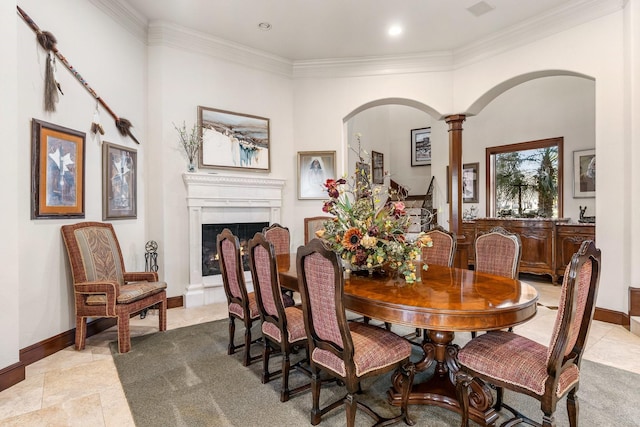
(243, 231)
(224, 199)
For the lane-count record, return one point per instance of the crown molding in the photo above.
(124, 15)
(165, 34)
(544, 25)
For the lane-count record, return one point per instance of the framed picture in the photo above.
(421, 147)
(470, 182)
(314, 168)
(377, 165)
(57, 171)
(119, 182)
(233, 140)
(584, 173)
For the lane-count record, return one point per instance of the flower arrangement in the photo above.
(190, 142)
(369, 229)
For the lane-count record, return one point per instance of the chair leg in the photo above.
(247, 345)
(499, 392)
(463, 381)
(573, 408)
(266, 353)
(162, 315)
(316, 414)
(81, 332)
(286, 366)
(232, 332)
(124, 333)
(350, 406)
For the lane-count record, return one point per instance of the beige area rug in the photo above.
(184, 377)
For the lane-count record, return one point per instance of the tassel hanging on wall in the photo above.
(51, 86)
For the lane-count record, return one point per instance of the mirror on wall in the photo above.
(525, 180)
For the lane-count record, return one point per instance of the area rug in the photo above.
(184, 377)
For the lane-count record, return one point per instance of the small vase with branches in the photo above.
(190, 141)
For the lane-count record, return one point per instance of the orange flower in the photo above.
(351, 239)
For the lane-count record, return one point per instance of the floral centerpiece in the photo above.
(369, 228)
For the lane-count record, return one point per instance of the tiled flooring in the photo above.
(81, 388)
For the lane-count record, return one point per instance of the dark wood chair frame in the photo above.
(243, 300)
(350, 380)
(557, 362)
(268, 230)
(283, 347)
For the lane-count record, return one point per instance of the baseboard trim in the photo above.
(611, 316)
(634, 301)
(12, 375)
(15, 373)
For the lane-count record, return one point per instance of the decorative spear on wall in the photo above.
(48, 43)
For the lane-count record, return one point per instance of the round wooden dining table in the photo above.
(445, 301)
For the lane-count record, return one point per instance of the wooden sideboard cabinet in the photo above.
(547, 244)
(569, 237)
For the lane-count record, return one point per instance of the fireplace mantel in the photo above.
(214, 199)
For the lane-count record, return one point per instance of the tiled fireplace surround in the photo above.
(223, 199)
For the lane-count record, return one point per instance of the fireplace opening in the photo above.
(243, 231)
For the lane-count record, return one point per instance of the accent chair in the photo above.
(242, 304)
(546, 373)
(102, 287)
(347, 351)
(282, 327)
(313, 224)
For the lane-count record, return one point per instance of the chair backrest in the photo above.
(94, 252)
(321, 288)
(231, 268)
(313, 224)
(279, 236)
(264, 271)
(444, 247)
(576, 307)
(498, 252)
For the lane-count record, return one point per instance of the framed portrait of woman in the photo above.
(314, 168)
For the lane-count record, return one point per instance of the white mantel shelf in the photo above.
(219, 199)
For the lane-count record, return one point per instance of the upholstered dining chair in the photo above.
(281, 239)
(282, 328)
(313, 224)
(508, 360)
(347, 351)
(102, 287)
(444, 247)
(242, 305)
(498, 252)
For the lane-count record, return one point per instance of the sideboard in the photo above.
(547, 244)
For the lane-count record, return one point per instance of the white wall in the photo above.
(179, 82)
(112, 61)
(543, 108)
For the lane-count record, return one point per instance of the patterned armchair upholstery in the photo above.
(511, 361)
(102, 287)
(444, 247)
(242, 305)
(498, 252)
(347, 351)
(282, 327)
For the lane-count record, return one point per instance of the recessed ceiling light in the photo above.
(264, 26)
(480, 8)
(395, 30)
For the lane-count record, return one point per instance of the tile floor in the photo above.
(81, 388)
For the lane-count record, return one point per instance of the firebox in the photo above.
(243, 231)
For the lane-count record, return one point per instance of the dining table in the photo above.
(446, 300)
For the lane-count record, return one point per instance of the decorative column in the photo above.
(455, 187)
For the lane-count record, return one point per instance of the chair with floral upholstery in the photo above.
(282, 327)
(281, 239)
(508, 360)
(242, 304)
(347, 351)
(102, 287)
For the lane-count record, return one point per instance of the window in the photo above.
(525, 180)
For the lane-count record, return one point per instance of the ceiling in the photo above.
(330, 29)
